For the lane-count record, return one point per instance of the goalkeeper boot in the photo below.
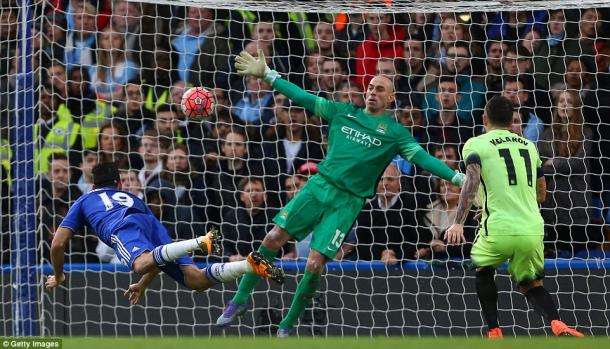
(561, 329)
(210, 243)
(265, 268)
(495, 333)
(232, 311)
(283, 332)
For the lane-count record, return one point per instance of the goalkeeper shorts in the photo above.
(524, 253)
(325, 211)
(140, 233)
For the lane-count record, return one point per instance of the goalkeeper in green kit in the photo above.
(361, 143)
(508, 169)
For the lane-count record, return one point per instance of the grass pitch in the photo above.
(334, 343)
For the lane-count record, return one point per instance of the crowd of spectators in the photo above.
(110, 76)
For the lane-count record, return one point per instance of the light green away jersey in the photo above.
(509, 167)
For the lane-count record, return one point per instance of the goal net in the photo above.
(108, 77)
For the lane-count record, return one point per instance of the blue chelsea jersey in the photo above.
(103, 210)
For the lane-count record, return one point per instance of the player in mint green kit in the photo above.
(361, 143)
(507, 169)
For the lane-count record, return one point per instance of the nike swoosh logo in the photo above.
(350, 116)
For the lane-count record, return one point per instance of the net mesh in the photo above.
(109, 79)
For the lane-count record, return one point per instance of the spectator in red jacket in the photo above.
(384, 39)
(104, 10)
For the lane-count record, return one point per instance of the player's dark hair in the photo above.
(105, 174)
(499, 111)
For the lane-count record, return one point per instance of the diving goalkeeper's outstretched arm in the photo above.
(250, 66)
(247, 65)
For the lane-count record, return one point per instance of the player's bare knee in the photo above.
(139, 266)
(143, 263)
(138, 269)
(314, 266)
(315, 263)
(275, 239)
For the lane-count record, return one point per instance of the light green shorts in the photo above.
(525, 255)
(322, 209)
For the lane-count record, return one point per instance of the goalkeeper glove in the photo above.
(249, 66)
(458, 179)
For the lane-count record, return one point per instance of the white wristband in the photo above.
(270, 75)
(458, 179)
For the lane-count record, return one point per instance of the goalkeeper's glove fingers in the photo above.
(458, 179)
(241, 65)
(247, 65)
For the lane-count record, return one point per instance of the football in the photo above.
(197, 103)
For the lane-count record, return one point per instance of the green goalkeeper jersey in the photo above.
(509, 168)
(360, 145)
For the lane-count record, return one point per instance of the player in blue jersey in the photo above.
(124, 222)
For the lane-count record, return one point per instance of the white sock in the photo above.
(171, 252)
(223, 272)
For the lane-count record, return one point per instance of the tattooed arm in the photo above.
(470, 186)
(469, 191)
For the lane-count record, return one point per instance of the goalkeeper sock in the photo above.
(223, 272)
(302, 298)
(172, 251)
(543, 303)
(488, 296)
(250, 280)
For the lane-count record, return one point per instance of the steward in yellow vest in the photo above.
(55, 130)
(61, 136)
(6, 154)
(92, 121)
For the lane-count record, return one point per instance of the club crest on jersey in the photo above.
(381, 128)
